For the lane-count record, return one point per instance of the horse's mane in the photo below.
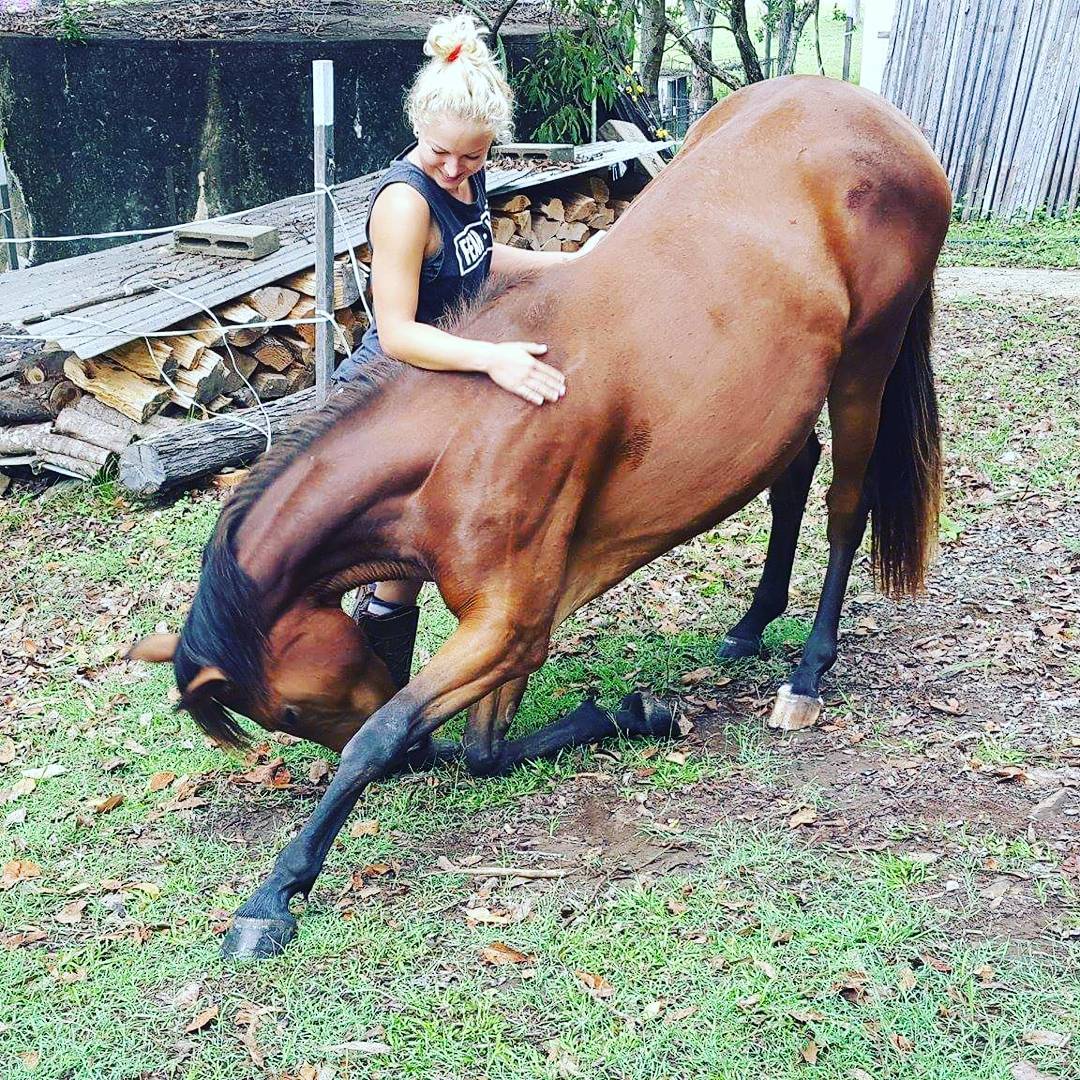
(226, 627)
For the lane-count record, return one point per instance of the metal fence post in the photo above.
(322, 72)
(7, 221)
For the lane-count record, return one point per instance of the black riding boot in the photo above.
(391, 637)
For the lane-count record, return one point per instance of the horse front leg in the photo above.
(477, 658)
(489, 753)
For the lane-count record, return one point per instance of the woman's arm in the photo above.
(398, 229)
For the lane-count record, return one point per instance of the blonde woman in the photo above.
(430, 233)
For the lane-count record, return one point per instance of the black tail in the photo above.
(904, 478)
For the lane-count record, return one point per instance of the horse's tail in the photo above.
(904, 475)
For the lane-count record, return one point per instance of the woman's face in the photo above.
(450, 150)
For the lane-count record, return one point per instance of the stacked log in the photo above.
(556, 222)
(226, 359)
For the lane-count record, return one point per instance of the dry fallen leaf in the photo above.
(809, 1053)
(596, 985)
(7, 750)
(498, 954)
(364, 828)
(806, 816)
(204, 1019)
(107, 804)
(906, 979)
(1024, 1070)
(1042, 1037)
(160, 780)
(901, 1042)
(30, 1059)
(18, 870)
(71, 913)
(765, 968)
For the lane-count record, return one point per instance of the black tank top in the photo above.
(456, 271)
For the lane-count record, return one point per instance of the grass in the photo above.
(728, 972)
(1044, 241)
(396, 964)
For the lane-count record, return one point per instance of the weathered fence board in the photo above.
(995, 85)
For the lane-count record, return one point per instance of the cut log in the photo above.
(579, 208)
(186, 350)
(131, 394)
(513, 204)
(554, 244)
(219, 404)
(272, 302)
(594, 186)
(602, 219)
(502, 229)
(75, 448)
(543, 228)
(238, 312)
(210, 332)
(73, 421)
(304, 308)
(19, 409)
(181, 457)
(522, 221)
(273, 352)
(22, 438)
(98, 410)
(552, 208)
(523, 242)
(573, 230)
(85, 470)
(270, 384)
(619, 207)
(204, 382)
(346, 292)
(570, 245)
(238, 369)
(301, 376)
(148, 357)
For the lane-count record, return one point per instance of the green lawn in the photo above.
(764, 956)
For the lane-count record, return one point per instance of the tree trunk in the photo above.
(741, 31)
(651, 39)
(196, 450)
(700, 15)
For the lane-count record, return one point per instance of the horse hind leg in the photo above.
(853, 416)
(787, 502)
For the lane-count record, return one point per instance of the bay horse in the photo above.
(783, 260)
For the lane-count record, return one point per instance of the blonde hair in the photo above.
(461, 80)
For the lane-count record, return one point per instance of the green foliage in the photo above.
(69, 21)
(1044, 240)
(576, 64)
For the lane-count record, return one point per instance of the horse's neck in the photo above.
(339, 504)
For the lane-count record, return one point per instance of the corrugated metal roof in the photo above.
(209, 281)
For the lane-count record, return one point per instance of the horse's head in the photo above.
(321, 680)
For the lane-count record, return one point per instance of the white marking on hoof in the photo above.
(792, 712)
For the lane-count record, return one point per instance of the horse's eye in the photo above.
(290, 715)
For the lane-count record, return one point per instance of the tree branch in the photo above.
(721, 74)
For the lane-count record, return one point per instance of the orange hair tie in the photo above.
(453, 54)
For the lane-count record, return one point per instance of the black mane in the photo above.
(226, 627)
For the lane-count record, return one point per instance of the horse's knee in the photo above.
(374, 748)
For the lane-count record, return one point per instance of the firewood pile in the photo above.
(556, 222)
(76, 416)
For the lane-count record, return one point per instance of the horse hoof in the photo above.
(733, 648)
(257, 939)
(792, 712)
(642, 714)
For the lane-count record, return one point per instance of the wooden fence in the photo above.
(995, 86)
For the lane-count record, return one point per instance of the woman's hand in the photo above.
(514, 366)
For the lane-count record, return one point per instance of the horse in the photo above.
(781, 262)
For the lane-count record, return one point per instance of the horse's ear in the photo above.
(154, 648)
(205, 678)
